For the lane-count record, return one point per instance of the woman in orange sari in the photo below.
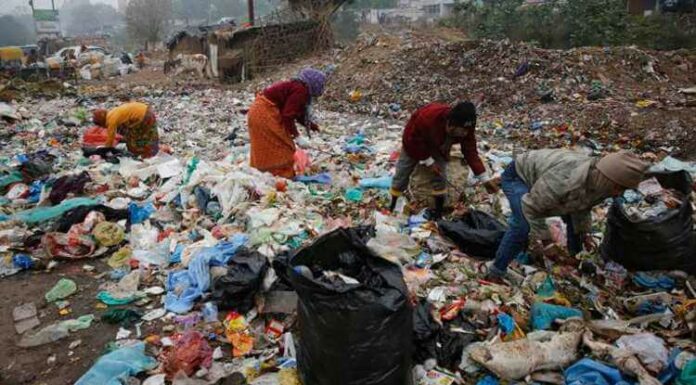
(136, 122)
(272, 121)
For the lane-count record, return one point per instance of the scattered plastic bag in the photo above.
(42, 214)
(368, 324)
(114, 368)
(591, 372)
(96, 136)
(688, 374)
(383, 183)
(124, 317)
(543, 314)
(59, 245)
(108, 234)
(323, 178)
(190, 352)
(55, 331)
(236, 289)
(649, 349)
(476, 233)
(139, 214)
(62, 289)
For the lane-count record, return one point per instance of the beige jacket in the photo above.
(562, 182)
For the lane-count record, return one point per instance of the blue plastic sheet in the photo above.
(35, 191)
(139, 214)
(543, 314)
(42, 214)
(590, 372)
(488, 380)
(114, 368)
(654, 281)
(323, 178)
(192, 283)
(176, 255)
(506, 323)
(383, 182)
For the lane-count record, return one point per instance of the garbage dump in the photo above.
(192, 267)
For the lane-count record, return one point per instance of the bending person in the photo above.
(135, 122)
(428, 138)
(548, 183)
(272, 121)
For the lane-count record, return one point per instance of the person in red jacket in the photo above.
(428, 138)
(272, 121)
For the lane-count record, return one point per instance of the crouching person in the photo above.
(548, 183)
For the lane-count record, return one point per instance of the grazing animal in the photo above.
(187, 63)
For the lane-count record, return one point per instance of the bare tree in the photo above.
(147, 19)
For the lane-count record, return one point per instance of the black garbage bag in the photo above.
(78, 215)
(663, 243)
(476, 233)
(431, 340)
(351, 333)
(236, 289)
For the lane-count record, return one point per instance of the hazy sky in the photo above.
(7, 6)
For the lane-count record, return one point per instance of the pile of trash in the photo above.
(217, 273)
(620, 95)
(651, 200)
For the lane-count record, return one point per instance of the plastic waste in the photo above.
(236, 289)
(96, 136)
(62, 289)
(649, 349)
(373, 323)
(114, 368)
(323, 178)
(476, 233)
(120, 258)
(108, 234)
(139, 214)
(654, 281)
(393, 246)
(22, 261)
(627, 363)
(68, 246)
(488, 380)
(663, 243)
(383, 183)
(543, 314)
(210, 312)
(190, 352)
(124, 317)
(55, 331)
(688, 374)
(42, 214)
(353, 195)
(588, 371)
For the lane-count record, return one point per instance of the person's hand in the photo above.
(589, 242)
(314, 127)
(492, 185)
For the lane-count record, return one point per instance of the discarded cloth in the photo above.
(67, 184)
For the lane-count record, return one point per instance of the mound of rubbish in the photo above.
(623, 95)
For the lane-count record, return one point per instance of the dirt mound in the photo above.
(616, 95)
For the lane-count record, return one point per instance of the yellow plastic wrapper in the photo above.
(120, 258)
(108, 234)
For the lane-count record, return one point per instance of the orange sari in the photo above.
(272, 148)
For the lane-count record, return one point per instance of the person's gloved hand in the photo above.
(314, 127)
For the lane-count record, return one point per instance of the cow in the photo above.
(187, 63)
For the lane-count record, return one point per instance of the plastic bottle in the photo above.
(210, 312)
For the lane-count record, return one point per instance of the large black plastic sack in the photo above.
(664, 243)
(476, 233)
(236, 289)
(351, 334)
